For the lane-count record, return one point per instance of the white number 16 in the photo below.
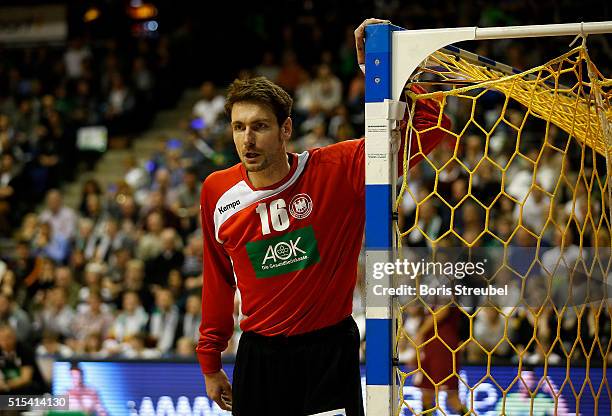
(278, 216)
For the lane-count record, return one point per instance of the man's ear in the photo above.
(287, 129)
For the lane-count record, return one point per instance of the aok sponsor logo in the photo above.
(229, 206)
(290, 252)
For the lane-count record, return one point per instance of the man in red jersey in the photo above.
(286, 230)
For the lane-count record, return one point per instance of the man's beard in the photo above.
(258, 167)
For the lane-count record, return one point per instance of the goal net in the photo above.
(520, 185)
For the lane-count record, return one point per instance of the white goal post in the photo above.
(392, 55)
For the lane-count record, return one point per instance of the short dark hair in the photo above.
(260, 90)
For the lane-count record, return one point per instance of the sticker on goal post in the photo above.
(337, 412)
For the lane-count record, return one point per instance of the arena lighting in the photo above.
(144, 11)
(91, 14)
(151, 26)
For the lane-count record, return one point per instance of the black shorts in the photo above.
(299, 375)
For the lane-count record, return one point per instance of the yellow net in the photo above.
(522, 179)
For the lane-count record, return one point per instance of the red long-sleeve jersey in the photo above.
(290, 248)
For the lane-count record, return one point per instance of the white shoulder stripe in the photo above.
(241, 196)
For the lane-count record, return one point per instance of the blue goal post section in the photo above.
(392, 56)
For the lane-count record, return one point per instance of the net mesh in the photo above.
(526, 164)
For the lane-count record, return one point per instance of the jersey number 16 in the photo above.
(278, 216)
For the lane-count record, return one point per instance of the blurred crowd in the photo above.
(48, 94)
(119, 275)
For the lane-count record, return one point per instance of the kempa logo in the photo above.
(229, 206)
(293, 251)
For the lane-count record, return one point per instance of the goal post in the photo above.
(392, 56)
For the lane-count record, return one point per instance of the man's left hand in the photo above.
(360, 37)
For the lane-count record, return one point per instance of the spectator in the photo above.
(192, 265)
(94, 274)
(15, 317)
(164, 321)
(186, 201)
(118, 261)
(74, 58)
(111, 239)
(51, 346)
(119, 105)
(174, 166)
(10, 186)
(94, 319)
(157, 202)
(136, 176)
(85, 234)
(26, 267)
(56, 315)
(128, 213)
(340, 125)
(175, 285)
(291, 72)
(134, 281)
(20, 374)
(170, 257)
(210, 105)
(196, 151)
(190, 322)
(534, 211)
(142, 79)
(522, 254)
(63, 220)
(95, 212)
(85, 111)
(316, 138)
(47, 152)
(474, 150)
(91, 186)
(267, 68)
(489, 330)
(304, 98)
(131, 320)
(559, 262)
(64, 280)
(7, 281)
(327, 90)
(150, 245)
(50, 245)
(29, 226)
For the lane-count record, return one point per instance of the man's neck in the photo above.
(271, 175)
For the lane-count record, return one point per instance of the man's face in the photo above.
(260, 141)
